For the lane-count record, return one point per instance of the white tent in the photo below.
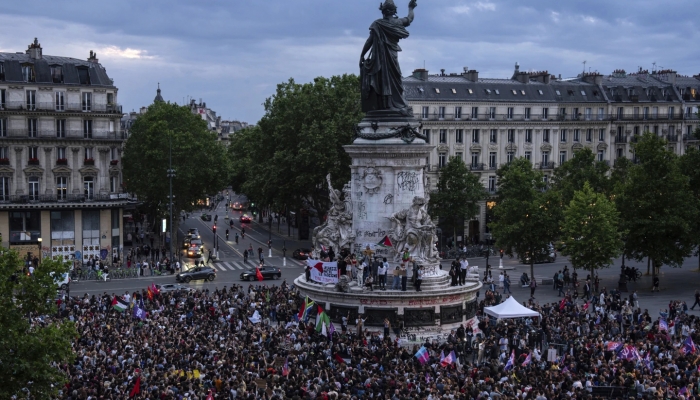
(510, 309)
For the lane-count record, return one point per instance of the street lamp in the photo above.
(171, 175)
(39, 258)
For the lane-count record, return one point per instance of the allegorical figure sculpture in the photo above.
(414, 232)
(382, 85)
(336, 232)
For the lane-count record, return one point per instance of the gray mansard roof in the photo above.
(13, 62)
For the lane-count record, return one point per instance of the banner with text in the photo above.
(323, 272)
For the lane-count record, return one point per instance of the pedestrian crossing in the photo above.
(240, 265)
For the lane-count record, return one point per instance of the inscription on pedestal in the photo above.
(419, 317)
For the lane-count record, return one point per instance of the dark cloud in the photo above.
(233, 53)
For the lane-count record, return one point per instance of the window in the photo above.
(458, 112)
(459, 136)
(62, 188)
(646, 112)
(33, 152)
(562, 136)
(545, 135)
(528, 135)
(87, 101)
(89, 187)
(2, 97)
(540, 92)
(57, 74)
(87, 128)
(545, 113)
(60, 128)
(545, 158)
(528, 156)
(511, 135)
(475, 158)
(497, 91)
(88, 153)
(441, 112)
(425, 112)
(492, 184)
(562, 157)
(655, 112)
(4, 153)
(443, 135)
(475, 112)
(114, 184)
(688, 130)
(589, 135)
(61, 153)
(575, 113)
(426, 133)
(589, 114)
(577, 135)
(493, 136)
(527, 112)
(28, 73)
(509, 156)
(470, 91)
(601, 135)
(60, 101)
(442, 160)
(620, 153)
(636, 112)
(545, 179)
(31, 100)
(620, 112)
(437, 90)
(671, 112)
(4, 188)
(515, 92)
(2, 71)
(113, 153)
(636, 130)
(32, 127)
(601, 155)
(91, 227)
(33, 188)
(475, 136)
(492, 112)
(601, 113)
(83, 76)
(492, 160)
(25, 226)
(522, 92)
(656, 129)
(62, 231)
(511, 111)
(3, 127)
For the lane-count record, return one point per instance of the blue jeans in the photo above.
(396, 285)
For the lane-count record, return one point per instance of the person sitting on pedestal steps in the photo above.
(368, 282)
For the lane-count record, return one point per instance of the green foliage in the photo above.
(656, 205)
(526, 216)
(574, 173)
(458, 194)
(27, 347)
(284, 159)
(590, 230)
(690, 167)
(201, 164)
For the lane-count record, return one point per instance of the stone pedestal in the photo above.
(386, 176)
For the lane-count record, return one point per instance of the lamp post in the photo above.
(269, 232)
(171, 175)
(39, 258)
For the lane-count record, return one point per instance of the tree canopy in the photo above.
(458, 195)
(29, 341)
(283, 161)
(526, 216)
(575, 172)
(201, 164)
(590, 230)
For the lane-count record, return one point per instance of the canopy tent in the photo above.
(510, 309)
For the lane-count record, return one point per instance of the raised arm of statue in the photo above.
(411, 5)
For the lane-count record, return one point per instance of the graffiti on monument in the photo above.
(362, 210)
(389, 199)
(407, 181)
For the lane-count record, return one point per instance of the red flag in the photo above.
(210, 396)
(137, 387)
(338, 358)
(258, 274)
(585, 306)
(149, 293)
(562, 304)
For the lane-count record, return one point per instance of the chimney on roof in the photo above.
(541, 76)
(522, 77)
(420, 73)
(93, 57)
(666, 75)
(593, 78)
(34, 50)
(442, 72)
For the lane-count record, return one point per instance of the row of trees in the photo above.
(646, 208)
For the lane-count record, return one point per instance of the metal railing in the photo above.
(547, 165)
(477, 167)
(65, 135)
(620, 138)
(562, 117)
(63, 198)
(64, 107)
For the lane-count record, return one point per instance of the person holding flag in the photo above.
(511, 361)
(422, 355)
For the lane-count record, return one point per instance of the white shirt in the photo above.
(463, 264)
(381, 270)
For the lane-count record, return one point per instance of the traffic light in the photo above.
(214, 228)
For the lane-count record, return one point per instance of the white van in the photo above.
(62, 281)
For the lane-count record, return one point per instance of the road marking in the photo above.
(238, 265)
(228, 266)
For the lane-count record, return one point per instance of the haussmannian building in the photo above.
(488, 122)
(60, 156)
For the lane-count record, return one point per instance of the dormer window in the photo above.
(583, 93)
(454, 91)
(470, 91)
(515, 92)
(83, 76)
(57, 74)
(540, 92)
(437, 90)
(571, 92)
(522, 92)
(497, 92)
(558, 93)
(2, 71)
(488, 91)
(28, 73)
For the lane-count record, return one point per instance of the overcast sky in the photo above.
(231, 54)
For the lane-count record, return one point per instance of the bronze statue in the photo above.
(382, 84)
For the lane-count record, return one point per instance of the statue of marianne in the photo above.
(382, 86)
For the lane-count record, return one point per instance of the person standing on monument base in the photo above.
(419, 278)
(404, 277)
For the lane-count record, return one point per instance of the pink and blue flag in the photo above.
(688, 346)
(663, 325)
(511, 361)
(527, 361)
(445, 361)
(422, 355)
(613, 346)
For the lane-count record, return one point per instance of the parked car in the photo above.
(301, 254)
(173, 287)
(197, 273)
(62, 280)
(548, 255)
(244, 219)
(206, 217)
(267, 273)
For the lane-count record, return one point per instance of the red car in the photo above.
(245, 219)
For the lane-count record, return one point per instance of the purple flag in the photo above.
(139, 313)
(688, 346)
(663, 325)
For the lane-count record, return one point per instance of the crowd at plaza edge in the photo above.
(244, 342)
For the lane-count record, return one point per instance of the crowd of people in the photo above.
(246, 343)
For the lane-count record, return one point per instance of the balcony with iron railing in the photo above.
(672, 138)
(62, 107)
(620, 139)
(62, 198)
(562, 117)
(687, 137)
(64, 135)
(477, 166)
(547, 165)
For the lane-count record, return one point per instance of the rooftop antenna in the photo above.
(584, 67)
(423, 64)
(653, 69)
